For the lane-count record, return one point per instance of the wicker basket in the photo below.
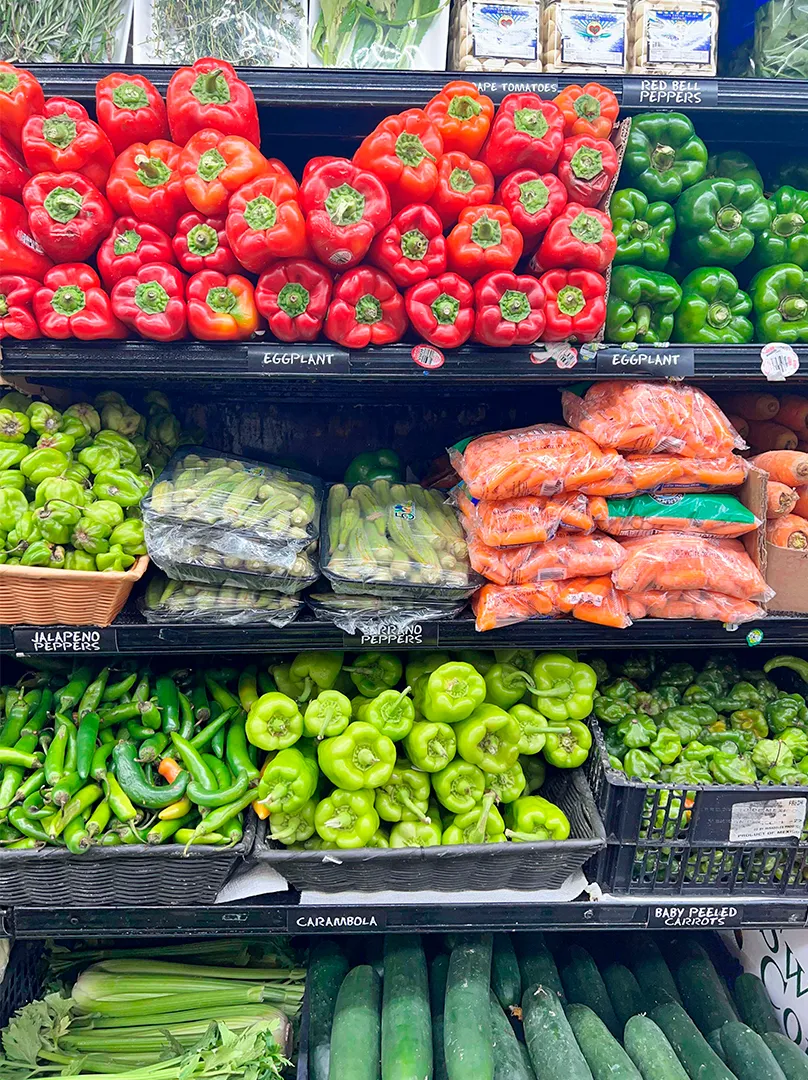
(41, 597)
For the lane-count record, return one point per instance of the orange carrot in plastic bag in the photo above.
(692, 604)
(784, 466)
(531, 519)
(595, 600)
(566, 556)
(649, 418)
(498, 605)
(781, 499)
(701, 514)
(753, 405)
(740, 424)
(678, 562)
(789, 531)
(771, 435)
(641, 473)
(794, 414)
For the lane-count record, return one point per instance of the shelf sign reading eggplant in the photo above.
(332, 920)
(670, 93)
(392, 635)
(29, 640)
(694, 916)
(273, 359)
(675, 362)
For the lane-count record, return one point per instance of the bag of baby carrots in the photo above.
(531, 519)
(648, 418)
(539, 460)
(504, 605)
(565, 556)
(692, 604)
(703, 515)
(595, 600)
(639, 473)
(678, 562)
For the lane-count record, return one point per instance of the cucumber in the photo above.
(437, 995)
(506, 979)
(650, 1051)
(356, 1031)
(537, 965)
(704, 995)
(406, 1019)
(554, 1053)
(754, 1005)
(526, 1061)
(584, 985)
(328, 966)
(714, 1039)
(467, 1011)
(508, 1063)
(792, 1060)
(747, 1054)
(604, 1055)
(651, 972)
(699, 1059)
(624, 992)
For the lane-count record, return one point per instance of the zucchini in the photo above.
(406, 1019)
(537, 965)
(437, 995)
(704, 995)
(699, 1059)
(584, 985)
(747, 1054)
(356, 1031)
(624, 992)
(651, 972)
(754, 1005)
(792, 1060)
(328, 966)
(467, 1011)
(650, 1051)
(604, 1055)
(508, 1063)
(554, 1053)
(506, 979)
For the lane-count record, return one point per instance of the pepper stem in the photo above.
(663, 158)
(403, 798)
(527, 838)
(561, 689)
(729, 218)
(482, 820)
(793, 308)
(718, 314)
(642, 316)
(329, 716)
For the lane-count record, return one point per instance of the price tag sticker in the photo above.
(428, 357)
(671, 93)
(564, 354)
(778, 361)
(276, 359)
(328, 920)
(31, 640)
(681, 916)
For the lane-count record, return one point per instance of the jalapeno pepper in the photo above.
(133, 781)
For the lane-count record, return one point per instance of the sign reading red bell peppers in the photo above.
(163, 219)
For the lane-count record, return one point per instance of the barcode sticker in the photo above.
(778, 361)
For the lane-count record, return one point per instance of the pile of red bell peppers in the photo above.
(164, 219)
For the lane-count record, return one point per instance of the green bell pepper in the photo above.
(105, 511)
(12, 478)
(489, 738)
(430, 746)
(115, 559)
(732, 768)
(90, 536)
(14, 426)
(481, 825)
(293, 827)
(518, 658)
(274, 722)
(56, 440)
(749, 720)
(690, 772)
(734, 165)
(563, 688)
(641, 305)
(57, 520)
(459, 786)
(452, 692)
(684, 721)
(297, 690)
(58, 487)
(713, 310)
(742, 695)
(535, 772)
(374, 465)
(130, 535)
(79, 560)
(479, 660)
(790, 777)
(610, 711)
(127, 451)
(643, 230)
(13, 504)
(505, 685)
(718, 222)
(41, 553)
(667, 745)
(347, 818)
(739, 742)
(12, 454)
(796, 741)
(571, 749)
(615, 746)
(425, 663)
(664, 156)
(374, 672)
(668, 696)
(786, 239)
(533, 818)
(415, 834)
(288, 782)
(86, 413)
(361, 757)
(120, 486)
(43, 417)
(788, 711)
(39, 464)
(621, 689)
(25, 532)
(98, 458)
(393, 713)
(642, 764)
(328, 715)
(320, 668)
(405, 796)
(509, 785)
(770, 752)
(780, 300)
(534, 728)
(637, 731)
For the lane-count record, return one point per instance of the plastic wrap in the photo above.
(378, 616)
(395, 540)
(201, 563)
(539, 460)
(528, 520)
(406, 35)
(584, 36)
(563, 557)
(780, 48)
(595, 600)
(675, 561)
(692, 604)
(673, 37)
(703, 515)
(668, 473)
(647, 418)
(504, 605)
(168, 601)
(495, 35)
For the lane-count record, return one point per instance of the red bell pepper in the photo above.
(366, 309)
(461, 183)
(200, 243)
(579, 237)
(510, 309)
(130, 109)
(411, 247)
(345, 207)
(211, 95)
(68, 215)
(586, 168)
(403, 151)
(130, 245)
(484, 239)
(16, 307)
(574, 304)
(71, 303)
(14, 174)
(532, 200)
(21, 96)
(441, 310)
(19, 251)
(293, 296)
(152, 301)
(265, 222)
(462, 115)
(313, 164)
(213, 167)
(527, 133)
(65, 139)
(145, 183)
(588, 110)
(221, 307)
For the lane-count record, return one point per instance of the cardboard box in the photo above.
(787, 573)
(752, 494)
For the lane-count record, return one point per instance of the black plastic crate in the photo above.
(22, 981)
(543, 865)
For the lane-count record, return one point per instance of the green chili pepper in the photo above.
(392, 712)
(33, 829)
(119, 802)
(237, 750)
(481, 825)
(274, 722)
(200, 771)
(86, 740)
(569, 750)
(374, 672)
(459, 786)
(793, 663)
(361, 757)
(69, 696)
(327, 715)
(132, 779)
(115, 691)
(224, 795)
(533, 818)
(405, 796)
(66, 788)
(248, 687)
(76, 807)
(99, 819)
(203, 737)
(347, 818)
(430, 746)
